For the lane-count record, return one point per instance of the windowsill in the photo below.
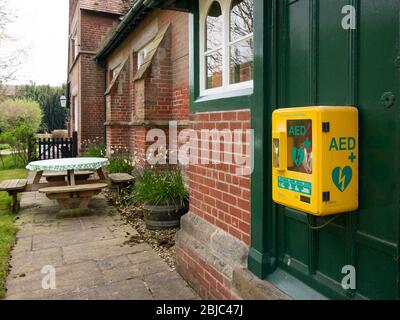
(224, 101)
(225, 95)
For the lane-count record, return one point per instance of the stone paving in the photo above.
(90, 256)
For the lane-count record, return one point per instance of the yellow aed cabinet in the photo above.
(315, 159)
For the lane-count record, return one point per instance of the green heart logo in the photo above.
(298, 156)
(342, 177)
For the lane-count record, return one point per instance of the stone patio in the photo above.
(90, 256)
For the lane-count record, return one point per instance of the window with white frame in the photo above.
(74, 46)
(76, 113)
(226, 45)
(141, 56)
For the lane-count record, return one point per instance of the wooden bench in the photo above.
(13, 187)
(54, 176)
(120, 180)
(83, 192)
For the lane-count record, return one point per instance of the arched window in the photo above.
(241, 44)
(227, 44)
(213, 44)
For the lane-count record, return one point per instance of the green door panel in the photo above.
(376, 274)
(320, 63)
(297, 84)
(378, 49)
(332, 69)
(296, 240)
(331, 250)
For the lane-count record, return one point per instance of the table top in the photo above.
(68, 164)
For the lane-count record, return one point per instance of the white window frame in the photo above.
(74, 45)
(76, 113)
(226, 45)
(141, 57)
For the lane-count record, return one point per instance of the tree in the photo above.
(54, 117)
(10, 59)
(19, 121)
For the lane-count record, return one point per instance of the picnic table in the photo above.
(63, 191)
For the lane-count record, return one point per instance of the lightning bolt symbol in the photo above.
(342, 180)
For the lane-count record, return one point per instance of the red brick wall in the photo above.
(179, 61)
(217, 194)
(158, 84)
(222, 198)
(94, 27)
(118, 101)
(118, 139)
(92, 97)
(206, 280)
(162, 95)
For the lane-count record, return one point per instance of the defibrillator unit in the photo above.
(315, 159)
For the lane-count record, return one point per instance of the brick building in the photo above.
(89, 23)
(147, 79)
(146, 65)
(246, 59)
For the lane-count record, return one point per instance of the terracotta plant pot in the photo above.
(164, 216)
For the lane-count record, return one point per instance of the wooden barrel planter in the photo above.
(164, 216)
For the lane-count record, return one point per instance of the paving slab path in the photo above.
(90, 257)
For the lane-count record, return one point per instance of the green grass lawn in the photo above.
(8, 162)
(7, 229)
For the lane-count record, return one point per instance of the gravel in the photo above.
(162, 241)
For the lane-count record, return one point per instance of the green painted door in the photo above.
(322, 63)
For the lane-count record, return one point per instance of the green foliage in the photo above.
(14, 113)
(19, 122)
(4, 146)
(120, 164)
(160, 188)
(54, 116)
(94, 149)
(7, 228)
(9, 162)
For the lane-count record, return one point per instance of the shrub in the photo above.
(120, 164)
(161, 188)
(19, 122)
(4, 146)
(94, 149)
(14, 113)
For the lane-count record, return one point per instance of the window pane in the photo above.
(241, 18)
(299, 146)
(276, 154)
(241, 61)
(214, 70)
(214, 25)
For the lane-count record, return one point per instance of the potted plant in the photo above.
(164, 196)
